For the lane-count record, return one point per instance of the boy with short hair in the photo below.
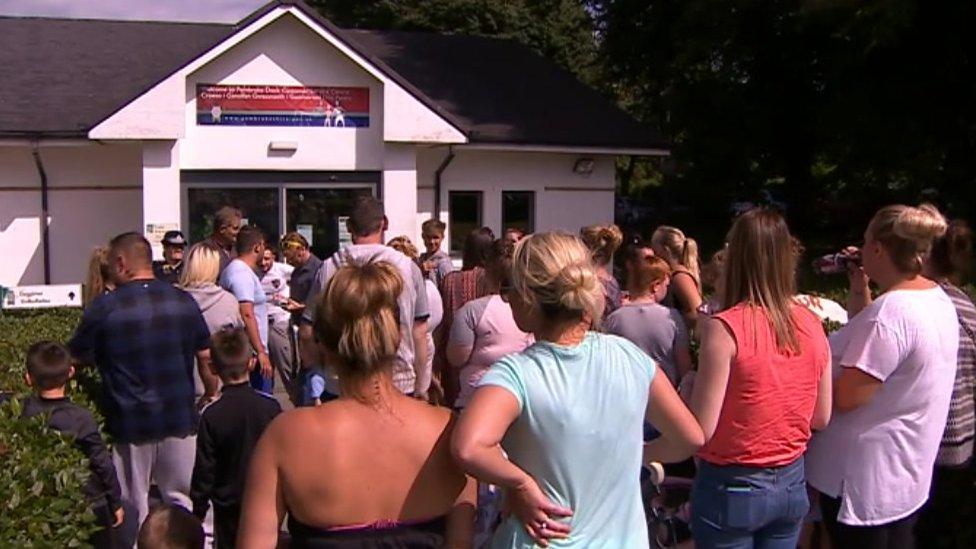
(48, 371)
(229, 430)
(434, 262)
(171, 527)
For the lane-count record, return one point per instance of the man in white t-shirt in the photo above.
(275, 281)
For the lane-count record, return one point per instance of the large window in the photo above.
(464, 216)
(316, 211)
(518, 211)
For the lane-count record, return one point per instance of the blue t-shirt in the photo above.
(579, 434)
(243, 282)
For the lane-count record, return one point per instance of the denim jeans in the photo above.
(738, 506)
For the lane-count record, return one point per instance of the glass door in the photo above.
(320, 214)
(260, 206)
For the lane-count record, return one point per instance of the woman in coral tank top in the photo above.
(763, 384)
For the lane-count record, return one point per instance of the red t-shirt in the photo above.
(771, 395)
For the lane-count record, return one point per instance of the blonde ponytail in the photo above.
(602, 240)
(357, 318)
(679, 250)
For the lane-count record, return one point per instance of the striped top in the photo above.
(957, 441)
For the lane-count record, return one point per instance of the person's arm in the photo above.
(458, 354)
(202, 479)
(476, 445)
(681, 434)
(210, 380)
(859, 294)
(822, 409)
(682, 347)
(855, 388)
(712, 380)
(459, 533)
(461, 340)
(82, 343)
(420, 365)
(254, 336)
(100, 461)
(263, 506)
(688, 297)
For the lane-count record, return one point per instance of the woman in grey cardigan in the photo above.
(219, 307)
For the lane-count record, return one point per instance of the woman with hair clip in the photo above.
(373, 468)
(569, 412)
(763, 384)
(603, 241)
(681, 253)
(894, 369)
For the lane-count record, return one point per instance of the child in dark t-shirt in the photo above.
(48, 371)
(229, 430)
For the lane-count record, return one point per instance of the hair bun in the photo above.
(922, 224)
(578, 281)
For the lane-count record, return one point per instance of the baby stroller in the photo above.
(667, 508)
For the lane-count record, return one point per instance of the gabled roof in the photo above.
(64, 76)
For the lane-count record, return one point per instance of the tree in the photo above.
(561, 30)
(837, 107)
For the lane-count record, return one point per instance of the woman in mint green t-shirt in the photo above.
(569, 412)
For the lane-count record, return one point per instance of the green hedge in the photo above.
(41, 472)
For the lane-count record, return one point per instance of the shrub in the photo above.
(41, 479)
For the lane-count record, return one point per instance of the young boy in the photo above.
(171, 527)
(48, 371)
(658, 330)
(434, 263)
(229, 430)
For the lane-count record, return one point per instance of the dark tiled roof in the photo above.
(61, 77)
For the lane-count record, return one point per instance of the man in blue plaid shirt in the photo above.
(143, 337)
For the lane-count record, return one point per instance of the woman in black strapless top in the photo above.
(373, 468)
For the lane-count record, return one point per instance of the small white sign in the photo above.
(345, 237)
(306, 231)
(42, 297)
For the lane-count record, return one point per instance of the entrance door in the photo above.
(321, 214)
(260, 206)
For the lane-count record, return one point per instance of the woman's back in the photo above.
(367, 465)
(766, 416)
(579, 433)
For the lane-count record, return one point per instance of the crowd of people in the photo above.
(515, 401)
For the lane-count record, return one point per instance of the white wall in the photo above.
(564, 200)
(95, 193)
(286, 53)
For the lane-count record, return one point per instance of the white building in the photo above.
(113, 126)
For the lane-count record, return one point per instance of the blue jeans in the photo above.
(742, 507)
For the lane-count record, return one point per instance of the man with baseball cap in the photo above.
(171, 267)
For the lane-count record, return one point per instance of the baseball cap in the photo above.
(174, 238)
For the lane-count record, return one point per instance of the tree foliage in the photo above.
(561, 30)
(835, 106)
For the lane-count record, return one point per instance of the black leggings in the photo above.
(893, 535)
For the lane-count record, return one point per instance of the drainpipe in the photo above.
(437, 181)
(45, 230)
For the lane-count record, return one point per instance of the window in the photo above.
(464, 216)
(518, 211)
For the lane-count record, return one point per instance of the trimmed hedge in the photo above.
(41, 471)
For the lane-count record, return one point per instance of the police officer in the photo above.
(170, 268)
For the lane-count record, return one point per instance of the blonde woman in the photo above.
(569, 411)
(894, 370)
(763, 385)
(99, 279)
(373, 467)
(681, 253)
(603, 241)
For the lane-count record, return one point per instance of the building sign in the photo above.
(345, 237)
(41, 297)
(331, 107)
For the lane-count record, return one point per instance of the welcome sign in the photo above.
(331, 107)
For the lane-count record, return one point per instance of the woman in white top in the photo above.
(894, 368)
(569, 412)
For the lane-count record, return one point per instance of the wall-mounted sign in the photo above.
(41, 297)
(331, 107)
(345, 237)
